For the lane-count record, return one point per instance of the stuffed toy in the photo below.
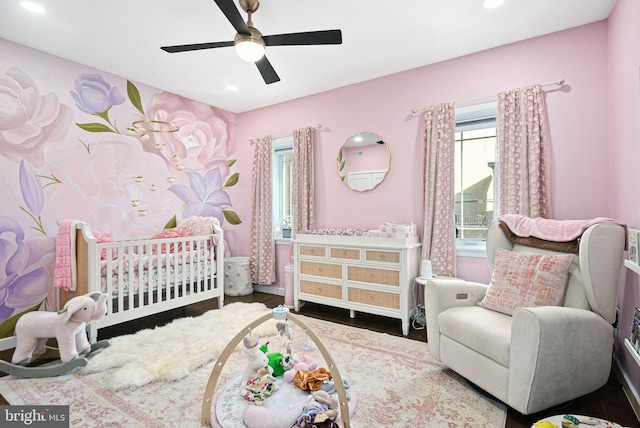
(276, 360)
(256, 359)
(257, 379)
(329, 386)
(321, 408)
(68, 326)
(301, 362)
(261, 384)
(311, 380)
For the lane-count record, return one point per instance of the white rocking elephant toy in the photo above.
(68, 326)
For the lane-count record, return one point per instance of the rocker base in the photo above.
(53, 370)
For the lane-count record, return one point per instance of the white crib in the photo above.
(146, 275)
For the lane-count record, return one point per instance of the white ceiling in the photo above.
(380, 37)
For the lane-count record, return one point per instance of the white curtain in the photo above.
(522, 152)
(438, 239)
(262, 258)
(303, 199)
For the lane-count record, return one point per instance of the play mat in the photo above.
(292, 388)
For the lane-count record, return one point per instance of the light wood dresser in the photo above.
(360, 273)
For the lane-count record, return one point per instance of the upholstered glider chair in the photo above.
(540, 334)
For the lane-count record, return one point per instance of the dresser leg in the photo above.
(405, 327)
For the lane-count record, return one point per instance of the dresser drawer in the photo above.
(373, 275)
(379, 256)
(352, 254)
(326, 270)
(312, 250)
(374, 298)
(331, 291)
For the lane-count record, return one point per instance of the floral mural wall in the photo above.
(87, 145)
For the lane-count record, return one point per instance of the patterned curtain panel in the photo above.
(439, 235)
(303, 208)
(522, 153)
(262, 246)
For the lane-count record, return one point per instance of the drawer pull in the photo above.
(382, 256)
(344, 253)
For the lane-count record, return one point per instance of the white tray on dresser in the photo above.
(360, 273)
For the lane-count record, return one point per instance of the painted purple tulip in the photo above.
(24, 279)
(31, 188)
(94, 95)
(205, 197)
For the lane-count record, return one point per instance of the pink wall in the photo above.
(624, 145)
(577, 121)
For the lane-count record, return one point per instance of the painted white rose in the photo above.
(29, 120)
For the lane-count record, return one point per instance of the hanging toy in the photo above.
(306, 345)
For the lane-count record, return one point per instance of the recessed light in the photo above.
(490, 4)
(32, 7)
(231, 88)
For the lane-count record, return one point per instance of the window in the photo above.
(283, 187)
(475, 153)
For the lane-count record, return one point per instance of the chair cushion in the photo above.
(525, 280)
(486, 332)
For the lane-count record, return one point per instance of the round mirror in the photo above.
(363, 161)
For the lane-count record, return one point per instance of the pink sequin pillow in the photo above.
(524, 280)
(198, 226)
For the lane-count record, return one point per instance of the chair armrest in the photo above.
(557, 352)
(444, 293)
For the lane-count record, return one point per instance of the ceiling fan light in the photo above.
(490, 4)
(250, 50)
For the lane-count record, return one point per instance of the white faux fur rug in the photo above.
(173, 351)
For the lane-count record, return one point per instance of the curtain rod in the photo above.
(557, 82)
(318, 126)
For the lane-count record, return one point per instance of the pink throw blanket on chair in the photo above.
(65, 270)
(551, 230)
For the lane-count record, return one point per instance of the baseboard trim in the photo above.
(631, 394)
(269, 289)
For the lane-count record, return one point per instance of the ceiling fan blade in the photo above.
(233, 15)
(326, 37)
(195, 47)
(266, 69)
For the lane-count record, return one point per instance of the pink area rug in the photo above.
(396, 381)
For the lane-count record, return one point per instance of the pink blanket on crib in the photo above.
(65, 269)
(551, 230)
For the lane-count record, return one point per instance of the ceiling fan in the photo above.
(250, 43)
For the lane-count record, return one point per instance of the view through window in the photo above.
(283, 187)
(475, 149)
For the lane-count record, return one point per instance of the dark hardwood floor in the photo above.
(609, 402)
